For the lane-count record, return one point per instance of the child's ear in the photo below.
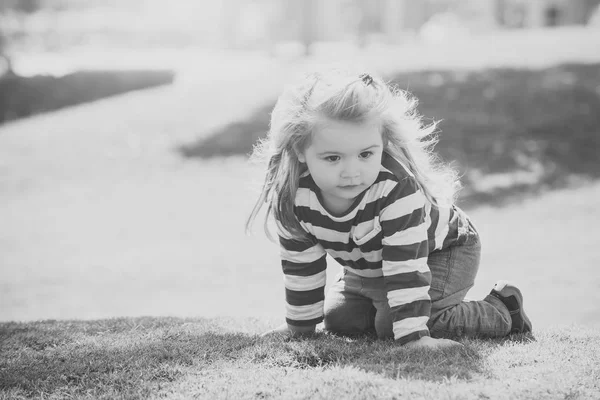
(299, 151)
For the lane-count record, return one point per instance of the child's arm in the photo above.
(304, 268)
(405, 251)
(431, 343)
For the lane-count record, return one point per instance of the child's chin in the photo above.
(352, 191)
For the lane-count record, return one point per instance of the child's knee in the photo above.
(343, 322)
(337, 322)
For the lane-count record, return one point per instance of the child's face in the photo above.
(344, 159)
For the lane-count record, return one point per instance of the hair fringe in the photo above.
(347, 98)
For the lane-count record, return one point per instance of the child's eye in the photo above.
(366, 154)
(332, 158)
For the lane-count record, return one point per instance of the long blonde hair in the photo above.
(343, 96)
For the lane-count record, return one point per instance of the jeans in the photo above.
(356, 305)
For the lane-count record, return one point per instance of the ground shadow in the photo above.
(495, 125)
(133, 357)
(127, 358)
(385, 357)
(25, 96)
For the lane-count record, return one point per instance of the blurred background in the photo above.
(125, 129)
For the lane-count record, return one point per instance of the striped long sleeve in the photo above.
(388, 232)
(404, 260)
(304, 268)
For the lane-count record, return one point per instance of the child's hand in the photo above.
(428, 342)
(280, 330)
(290, 330)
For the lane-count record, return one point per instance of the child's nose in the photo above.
(350, 171)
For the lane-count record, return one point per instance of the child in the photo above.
(351, 174)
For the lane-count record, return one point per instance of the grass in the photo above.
(509, 131)
(144, 358)
(224, 358)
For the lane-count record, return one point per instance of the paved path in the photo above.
(100, 217)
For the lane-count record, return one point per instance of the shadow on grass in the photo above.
(133, 358)
(25, 96)
(371, 355)
(510, 132)
(128, 358)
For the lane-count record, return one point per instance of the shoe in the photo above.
(511, 297)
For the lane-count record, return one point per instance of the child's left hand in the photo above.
(290, 330)
(280, 330)
(431, 343)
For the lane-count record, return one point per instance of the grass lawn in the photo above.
(143, 358)
(108, 220)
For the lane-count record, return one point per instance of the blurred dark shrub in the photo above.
(234, 138)
(24, 96)
(491, 122)
(498, 119)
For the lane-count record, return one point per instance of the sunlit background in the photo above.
(125, 128)
(149, 30)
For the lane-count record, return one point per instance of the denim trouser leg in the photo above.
(347, 311)
(453, 273)
(355, 305)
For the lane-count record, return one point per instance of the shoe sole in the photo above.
(507, 289)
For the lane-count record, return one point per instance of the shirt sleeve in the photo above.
(304, 275)
(404, 260)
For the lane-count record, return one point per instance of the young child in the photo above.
(351, 173)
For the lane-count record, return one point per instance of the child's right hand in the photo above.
(431, 343)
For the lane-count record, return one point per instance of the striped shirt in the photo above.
(388, 232)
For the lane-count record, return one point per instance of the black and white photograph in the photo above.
(310, 199)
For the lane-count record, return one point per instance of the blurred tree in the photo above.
(354, 14)
(17, 9)
(27, 6)
(21, 6)
(5, 63)
(309, 24)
